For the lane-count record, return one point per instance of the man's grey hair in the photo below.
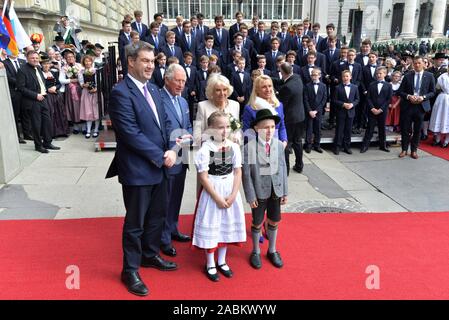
(171, 70)
(133, 50)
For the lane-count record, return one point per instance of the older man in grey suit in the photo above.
(265, 183)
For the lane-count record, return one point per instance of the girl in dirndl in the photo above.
(89, 97)
(220, 217)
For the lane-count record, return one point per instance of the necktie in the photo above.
(17, 65)
(238, 27)
(261, 36)
(219, 34)
(41, 83)
(156, 42)
(177, 108)
(188, 40)
(418, 79)
(151, 103)
(139, 28)
(283, 36)
(267, 149)
(274, 55)
(208, 52)
(331, 53)
(172, 51)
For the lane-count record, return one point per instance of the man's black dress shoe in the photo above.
(28, 138)
(158, 263)
(385, 149)
(169, 251)
(41, 150)
(318, 149)
(275, 259)
(363, 149)
(22, 141)
(226, 273)
(308, 149)
(51, 147)
(180, 237)
(255, 260)
(336, 151)
(348, 151)
(134, 283)
(297, 169)
(213, 277)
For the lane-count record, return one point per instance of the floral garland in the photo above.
(235, 124)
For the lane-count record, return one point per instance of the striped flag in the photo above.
(4, 36)
(12, 45)
(22, 38)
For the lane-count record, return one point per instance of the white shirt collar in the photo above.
(139, 84)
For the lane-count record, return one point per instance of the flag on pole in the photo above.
(22, 38)
(12, 45)
(4, 36)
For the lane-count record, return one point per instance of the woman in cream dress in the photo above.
(218, 91)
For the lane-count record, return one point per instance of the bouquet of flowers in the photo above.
(72, 72)
(89, 79)
(235, 124)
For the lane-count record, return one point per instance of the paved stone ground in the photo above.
(70, 183)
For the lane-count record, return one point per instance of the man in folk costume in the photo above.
(68, 32)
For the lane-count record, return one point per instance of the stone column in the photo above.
(438, 16)
(10, 163)
(408, 24)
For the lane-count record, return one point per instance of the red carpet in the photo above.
(436, 151)
(325, 258)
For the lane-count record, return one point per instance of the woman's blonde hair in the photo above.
(213, 81)
(257, 83)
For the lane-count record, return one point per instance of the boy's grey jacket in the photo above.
(261, 171)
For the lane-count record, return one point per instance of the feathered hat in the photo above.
(37, 38)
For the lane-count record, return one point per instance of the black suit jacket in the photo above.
(320, 61)
(178, 53)
(241, 89)
(359, 59)
(271, 62)
(291, 95)
(190, 83)
(11, 73)
(232, 31)
(203, 52)
(367, 78)
(161, 42)
(259, 45)
(201, 83)
(427, 90)
(185, 48)
(163, 30)
(202, 35)
(315, 102)
(340, 98)
(122, 43)
(28, 85)
(144, 29)
(157, 77)
(357, 73)
(324, 45)
(178, 34)
(285, 42)
(379, 101)
(330, 60)
(306, 77)
(295, 42)
(245, 54)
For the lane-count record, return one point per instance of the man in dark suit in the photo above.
(301, 53)
(138, 25)
(124, 39)
(291, 95)
(208, 48)
(201, 78)
(335, 79)
(378, 99)
(31, 84)
(272, 35)
(259, 38)
(190, 86)
(241, 81)
(285, 37)
(417, 88)
(159, 71)
(290, 57)
(363, 56)
(325, 44)
(178, 114)
(236, 26)
(202, 29)
(306, 71)
(159, 18)
(253, 29)
(296, 40)
(221, 39)
(178, 29)
(315, 99)
(238, 46)
(332, 53)
(187, 42)
(355, 68)
(320, 58)
(307, 28)
(316, 38)
(154, 38)
(142, 157)
(248, 44)
(347, 97)
(12, 66)
(368, 76)
(273, 54)
(171, 49)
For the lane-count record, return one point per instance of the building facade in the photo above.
(99, 20)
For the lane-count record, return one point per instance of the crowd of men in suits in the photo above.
(241, 49)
